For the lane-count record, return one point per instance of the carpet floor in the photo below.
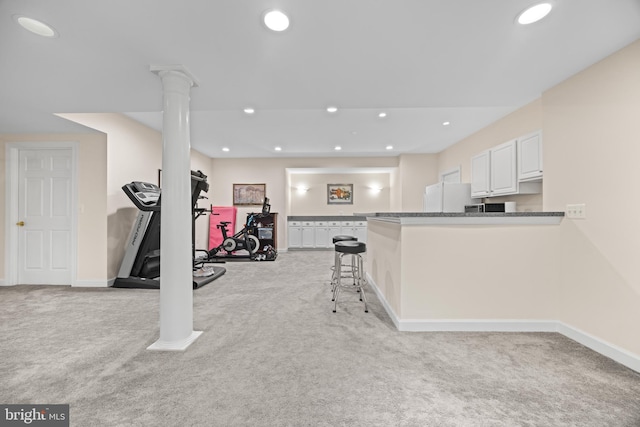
(274, 354)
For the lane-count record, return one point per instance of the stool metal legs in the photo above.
(357, 273)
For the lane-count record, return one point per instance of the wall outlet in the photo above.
(577, 211)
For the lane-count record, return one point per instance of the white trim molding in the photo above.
(91, 284)
(179, 345)
(612, 351)
(11, 203)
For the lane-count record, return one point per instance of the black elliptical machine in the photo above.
(244, 240)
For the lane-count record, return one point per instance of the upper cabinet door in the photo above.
(480, 175)
(530, 156)
(504, 178)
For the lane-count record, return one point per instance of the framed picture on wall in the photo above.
(339, 194)
(248, 194)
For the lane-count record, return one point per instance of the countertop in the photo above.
(470, 218)
(327, 218)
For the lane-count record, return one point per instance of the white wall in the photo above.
(134, 153)
(92, 218)
(591, 147)
(416, 171)
(273, 173)
(591, 154)
(365, 198)
(521, 122)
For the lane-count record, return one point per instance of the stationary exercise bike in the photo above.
(245, 239)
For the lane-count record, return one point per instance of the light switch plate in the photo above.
(577, 211)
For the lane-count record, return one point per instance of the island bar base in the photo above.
(499, 278)
(436, 272)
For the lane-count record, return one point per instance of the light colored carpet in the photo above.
(274, 354)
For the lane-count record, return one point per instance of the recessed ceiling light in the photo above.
(446, 123)
(382, 115)
(389, 147)
(278, 148)
(332, 109)
(249, 110)
(225, 149)
(35, 26)
(353, 132)
(276, 20)
(534, 13)
(338, 148)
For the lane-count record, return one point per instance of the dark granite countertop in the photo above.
(470, 218)
(457, 214)
(327, 218)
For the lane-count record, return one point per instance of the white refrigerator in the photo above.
(447, 197)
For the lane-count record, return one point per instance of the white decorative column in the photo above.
(176, 273)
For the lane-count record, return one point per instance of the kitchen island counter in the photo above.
(465, 271)
(469, 218)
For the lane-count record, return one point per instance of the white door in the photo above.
(44, 216)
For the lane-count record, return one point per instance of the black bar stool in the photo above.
(336, 239)
(355, 249)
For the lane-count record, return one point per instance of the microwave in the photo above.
(485, 207)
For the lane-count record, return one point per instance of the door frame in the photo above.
(12, 151)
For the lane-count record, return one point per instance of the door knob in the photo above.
(20, 224)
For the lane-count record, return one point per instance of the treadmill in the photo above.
(140, 266)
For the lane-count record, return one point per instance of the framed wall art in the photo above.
(248, 194)
(339, 194)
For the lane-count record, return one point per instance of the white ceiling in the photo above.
(421, 61)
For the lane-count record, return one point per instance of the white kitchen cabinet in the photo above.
(295, 234)
(334, 229)
(530, 157)
(308, 234)
(322, 234)
(504, 178)
(480, 175)
(360, 231)
(357, 229)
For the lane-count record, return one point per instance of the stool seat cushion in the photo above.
(343, 237)
(351, 247)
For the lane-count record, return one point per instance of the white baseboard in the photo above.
(620, 355)
(175, 345)
(392, 314)
(477, 325)
(90, 284)
(612, 351)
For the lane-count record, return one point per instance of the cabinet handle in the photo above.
(20, 224)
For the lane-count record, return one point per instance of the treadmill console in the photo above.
(146, 192)
(144, 195)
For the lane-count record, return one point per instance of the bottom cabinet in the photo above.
(308, 234)
(295, 234)
(320, 234)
